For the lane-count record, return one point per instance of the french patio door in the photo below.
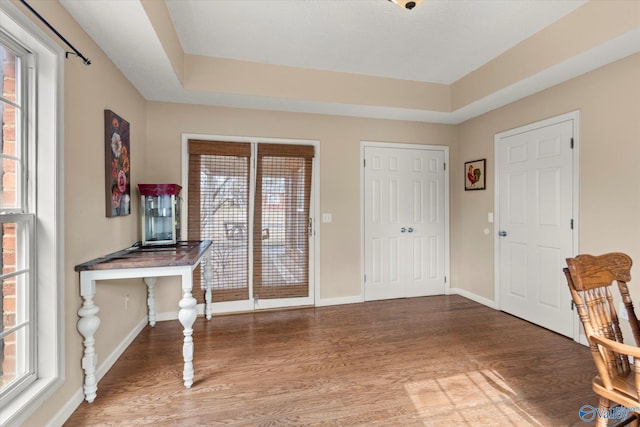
(253, 201)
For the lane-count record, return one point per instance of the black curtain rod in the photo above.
(44, 21)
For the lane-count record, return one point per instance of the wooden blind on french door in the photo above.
(281, 221)
(218, 210)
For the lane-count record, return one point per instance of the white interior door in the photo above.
(535, 228)
(405, 230)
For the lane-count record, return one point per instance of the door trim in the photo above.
(314, 209)
(573, 116)
(445, 150)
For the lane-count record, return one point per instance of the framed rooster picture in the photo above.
(475, 177)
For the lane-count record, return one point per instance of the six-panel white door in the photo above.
(404, 253)
(535, 184)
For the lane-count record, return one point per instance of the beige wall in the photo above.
(251, 78)
(339, 171)
(587, 27)
(609, 146)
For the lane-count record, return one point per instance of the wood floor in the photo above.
(434, 361)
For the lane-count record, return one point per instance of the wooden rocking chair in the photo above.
(618, 381)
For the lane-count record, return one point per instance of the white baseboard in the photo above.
(173, 315)
(67, 409)
(117, 352)
(167, 315)
(339, 301)
(72, 404)
(474, 297)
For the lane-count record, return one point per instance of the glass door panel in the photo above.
(281, 239)
(219, 211)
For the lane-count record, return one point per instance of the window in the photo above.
(17, 325)
(31, 357)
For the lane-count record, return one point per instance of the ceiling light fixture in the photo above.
(406, 4)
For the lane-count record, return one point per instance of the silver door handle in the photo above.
(410, 230)
(502, 233)
(402, 230)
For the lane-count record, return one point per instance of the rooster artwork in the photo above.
(475, 175)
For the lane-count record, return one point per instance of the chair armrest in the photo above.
(629, 350)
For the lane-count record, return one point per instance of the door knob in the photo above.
(402, 230)
(502, 233)
(410, 230)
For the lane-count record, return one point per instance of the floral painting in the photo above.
(117, 165)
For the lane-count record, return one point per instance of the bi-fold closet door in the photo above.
(405, 227)
(253, 200)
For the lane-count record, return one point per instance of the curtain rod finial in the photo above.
(85, 60)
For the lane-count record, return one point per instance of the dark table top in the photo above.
(182, 253)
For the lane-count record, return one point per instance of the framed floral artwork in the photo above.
(117, 165)
(475, 177)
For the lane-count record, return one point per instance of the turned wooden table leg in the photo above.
(151, 301)
(87, 326)
(187, 317)
(208, 280)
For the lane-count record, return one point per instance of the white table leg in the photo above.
(187, 316)
(87, 326)
(208, 280)
(151, 301)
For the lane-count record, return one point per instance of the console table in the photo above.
(147, 262)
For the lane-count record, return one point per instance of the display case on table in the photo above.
(160, 212)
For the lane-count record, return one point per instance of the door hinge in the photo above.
(364, 163)
(572, 143)
(571, 224)
(365, 278)
(445, 279)
(310, 227)
(573, 304)
(445, 166)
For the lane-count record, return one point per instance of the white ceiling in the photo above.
(439, 41)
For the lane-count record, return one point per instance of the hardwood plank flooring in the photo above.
(433, 361)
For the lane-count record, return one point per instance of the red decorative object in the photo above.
(159, 189)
